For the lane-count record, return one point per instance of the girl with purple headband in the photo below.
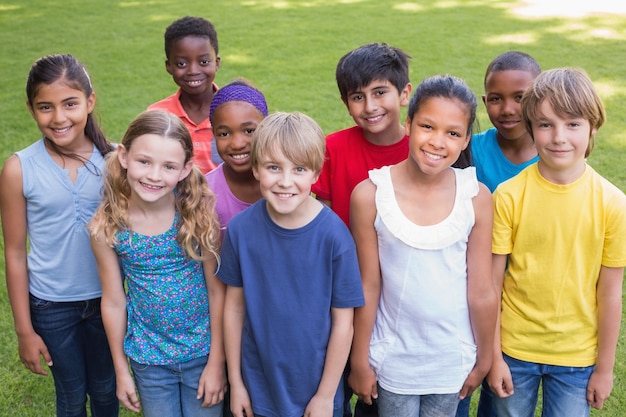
(236, 110)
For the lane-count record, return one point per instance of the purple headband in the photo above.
(238, 92)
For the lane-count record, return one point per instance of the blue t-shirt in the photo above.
(492, 167)
(291, 279)
(167, 301)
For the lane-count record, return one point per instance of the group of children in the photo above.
(373, 256)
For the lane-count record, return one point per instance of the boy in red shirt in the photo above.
(374, 84)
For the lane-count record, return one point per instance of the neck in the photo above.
(385, 138)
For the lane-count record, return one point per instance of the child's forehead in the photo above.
(195, 43)
(508, 79)
(375, 84)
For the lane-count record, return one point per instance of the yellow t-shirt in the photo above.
(557, 237)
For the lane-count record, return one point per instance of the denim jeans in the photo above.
(432, 405)
(485, 403)
(170, 390)
(564, 390)
(337, 412)
(74, 335)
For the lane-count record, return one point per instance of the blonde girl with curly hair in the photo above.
(156, 241)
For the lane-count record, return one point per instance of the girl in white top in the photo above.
(423, 340)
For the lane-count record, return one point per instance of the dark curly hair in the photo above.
(190, 26)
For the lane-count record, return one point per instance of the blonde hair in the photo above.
(298, 137)
(198, 228)
(569, 91)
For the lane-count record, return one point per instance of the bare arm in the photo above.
(336, 357)
(481, 295)
(212, 384)
(114, 317)
(609, 295)
(13, 209)
(499, 377)
(234, 313)
(362, 378)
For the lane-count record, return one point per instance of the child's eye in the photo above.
(380, 92)
(357, 97)
(455, 134)
(249, 131)
(169, 167)
(272, 167)
(518, 98)
(181, 64)
(494, 99)
(543, 125)
(426, 126)
(205, 62)
(221, 134)
(71, 104)
(301, 170)
(43, 108)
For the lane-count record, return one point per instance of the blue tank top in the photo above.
(61, 265)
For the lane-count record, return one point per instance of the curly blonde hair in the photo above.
(198, 227)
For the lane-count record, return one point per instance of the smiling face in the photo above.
(234, 122)
(561, 142)
(61, 114)
(376, 108)
(193, 64)
(154, 166)
(438, 133)
(503, 95)
(287, 187)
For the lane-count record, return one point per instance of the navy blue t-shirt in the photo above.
(291, 279)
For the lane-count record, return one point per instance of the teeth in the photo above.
(433, 156)
(374, 119)
(65, 129)
(194, 82)
(284, 195)
(241, 156)
(151, 187)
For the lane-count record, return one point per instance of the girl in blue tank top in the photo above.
(156, 237)
(48, 193)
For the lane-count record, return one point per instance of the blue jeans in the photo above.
(74, 335)
(564, 390)
(170, 390)
(485, 403)
(337, 412)
(433, 405)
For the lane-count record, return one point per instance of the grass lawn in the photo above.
(289, 49)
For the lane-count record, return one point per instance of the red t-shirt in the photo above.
(201, 134)
(349, 158)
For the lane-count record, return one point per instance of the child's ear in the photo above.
(186, 171)
(484, 100)
(407, 126)
(405, 95)
(30, 109)
(167, 67)
(218, 61)
(91, 102)
(255, 172)
(122, 156)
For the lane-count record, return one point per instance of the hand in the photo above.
(319, 407)
(127, 393)
(363, 383)
(473, 380)
(212, 385)
(500, 379)
(240, 404)
(599, 388)
(31, 349)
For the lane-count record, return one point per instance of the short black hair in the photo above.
(359, 67)
(190, 26)
(514, 61)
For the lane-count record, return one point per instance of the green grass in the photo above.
(289, 49)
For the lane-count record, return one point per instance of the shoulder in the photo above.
(11, 175)
(344, 136)
(483, 141)
(167, 103)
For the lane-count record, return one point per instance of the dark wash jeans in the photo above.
(74, 335)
